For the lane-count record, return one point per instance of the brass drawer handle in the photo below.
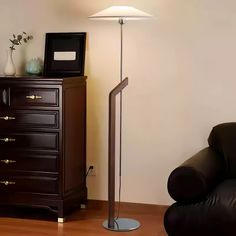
(7, 118)
(7, 140)
(33, 97)
(7, 182)
(7, 161)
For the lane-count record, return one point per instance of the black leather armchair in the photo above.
(204, 188)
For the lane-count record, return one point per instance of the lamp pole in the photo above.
(121, 22)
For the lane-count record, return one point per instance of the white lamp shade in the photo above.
(120, 12)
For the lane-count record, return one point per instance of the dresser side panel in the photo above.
(74, 130)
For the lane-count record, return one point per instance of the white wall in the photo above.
(181, 67)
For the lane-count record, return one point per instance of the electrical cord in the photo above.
(89, 169)
(117, 225)
(119, 198)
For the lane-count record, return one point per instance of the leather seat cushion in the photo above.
(216, 215)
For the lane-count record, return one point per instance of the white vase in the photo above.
(10, 69)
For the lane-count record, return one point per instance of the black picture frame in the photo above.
(64, 54)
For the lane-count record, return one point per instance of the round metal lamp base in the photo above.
(123, 225)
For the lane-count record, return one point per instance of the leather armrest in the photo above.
(192, 180)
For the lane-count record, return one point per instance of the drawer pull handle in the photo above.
(8, 161)
(7, 140)
(7, 182)
(7, 118)
(33, 97)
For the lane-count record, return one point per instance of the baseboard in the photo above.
(128, 206)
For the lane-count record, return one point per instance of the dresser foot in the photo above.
(83, 206)
(61, 220)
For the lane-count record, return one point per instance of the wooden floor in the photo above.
(83, 222)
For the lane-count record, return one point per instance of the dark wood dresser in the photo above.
(43, 142)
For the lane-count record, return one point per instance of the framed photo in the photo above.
(64, 54)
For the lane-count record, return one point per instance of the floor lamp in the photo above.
(120, 14)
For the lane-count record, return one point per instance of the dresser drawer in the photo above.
(33, 184)
(29, 118)
(29, 141)
(34, 97)
(28, 162)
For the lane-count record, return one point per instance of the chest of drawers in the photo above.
(43, 142)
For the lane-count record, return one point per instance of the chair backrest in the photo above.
(223, 140)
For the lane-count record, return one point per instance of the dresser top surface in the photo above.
(43, 79)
